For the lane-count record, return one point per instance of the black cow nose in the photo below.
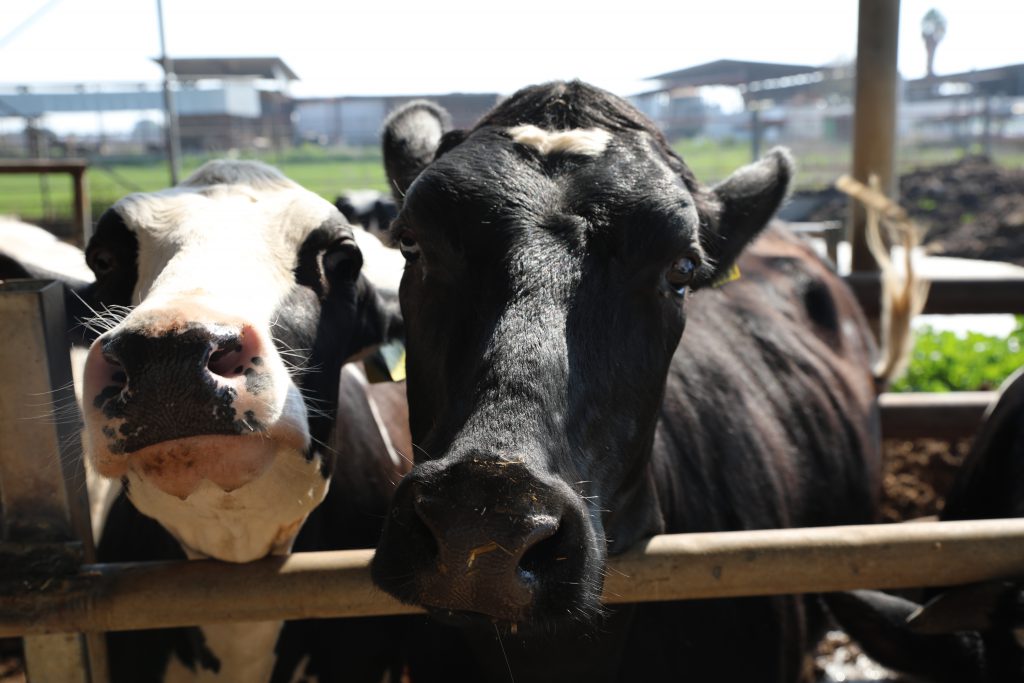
(498, 536)
(189, 354)
(175, 384)
(508, 548)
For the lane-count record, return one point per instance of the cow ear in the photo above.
(412, 135)
(112, 255)
(740, 207)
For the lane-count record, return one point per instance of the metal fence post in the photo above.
(45, 511)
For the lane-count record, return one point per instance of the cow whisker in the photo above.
(505, 654)
(404, 457)
(421, 450)
(324, 445)
(61, 388)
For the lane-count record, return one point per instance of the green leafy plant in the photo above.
(945, 361)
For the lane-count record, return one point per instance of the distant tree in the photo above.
(933, 30)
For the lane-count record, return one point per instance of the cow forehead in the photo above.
(209, 238)
(187, 215)
(499, 177)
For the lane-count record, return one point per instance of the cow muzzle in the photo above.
(487, 536)
(186, 403)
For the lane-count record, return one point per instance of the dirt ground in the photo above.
(972, 208)
(917, 474)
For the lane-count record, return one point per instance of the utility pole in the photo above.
(171, 134)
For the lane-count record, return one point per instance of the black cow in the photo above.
(371, 209)
(555, 253)
(227, 306)
(972, 634)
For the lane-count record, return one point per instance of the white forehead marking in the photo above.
(230, 232)
(586, 141)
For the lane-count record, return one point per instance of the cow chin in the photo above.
(260, 517)
(231, 497)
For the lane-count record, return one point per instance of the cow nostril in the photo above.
(543, 554)
(420, 528)
(115, 372)
(228, 359)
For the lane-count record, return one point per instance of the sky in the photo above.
(441, 46)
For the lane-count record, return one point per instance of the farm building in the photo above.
(357, 121)
(222, 103)
(805, 102)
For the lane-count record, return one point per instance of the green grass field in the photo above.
(46, 199)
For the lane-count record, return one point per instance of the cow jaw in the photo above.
(234, 497)
(260, 518)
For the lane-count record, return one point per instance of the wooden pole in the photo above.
(83, 211)
(674, 567)
(874, 125)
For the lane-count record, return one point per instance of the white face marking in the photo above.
(586, 141)
(245, 651)
(260, 518)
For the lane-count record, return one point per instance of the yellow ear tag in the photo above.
(733, 274)
(386, 364)
(397, 370)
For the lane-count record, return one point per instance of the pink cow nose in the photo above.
(176, 384)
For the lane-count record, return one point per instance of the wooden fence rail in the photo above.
(672, 567)
(953, 294)
(76, 168)
(916, 415)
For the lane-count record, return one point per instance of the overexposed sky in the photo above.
(438, 46)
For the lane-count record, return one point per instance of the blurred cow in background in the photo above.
(371, 209)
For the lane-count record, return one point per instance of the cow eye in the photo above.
(101, 261)
(408, 246)
(680, 274)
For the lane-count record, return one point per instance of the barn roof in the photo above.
(220, 67)
(1001, 80)
(731, 72)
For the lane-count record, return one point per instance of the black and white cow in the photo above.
(227, 307)
(555, 252)
(972, 634)
(369, 208)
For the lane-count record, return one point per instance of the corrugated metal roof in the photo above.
(1001, 80)
(219, 67)
(731, 72)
